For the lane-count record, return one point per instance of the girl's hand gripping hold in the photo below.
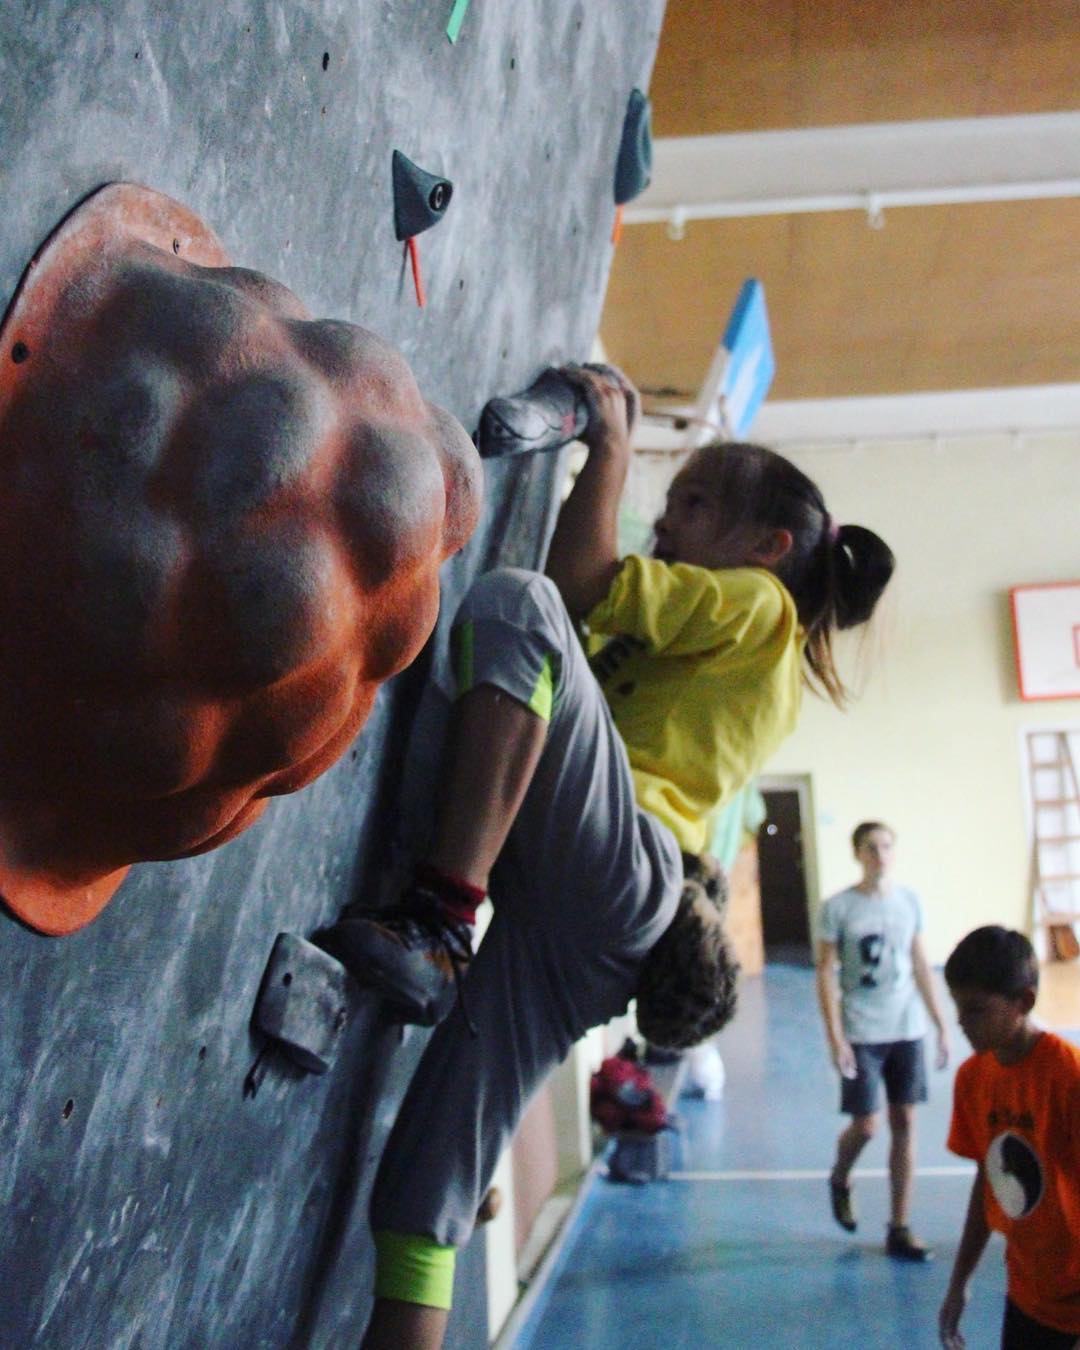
(584, 556)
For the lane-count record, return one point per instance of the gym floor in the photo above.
(738, 1248)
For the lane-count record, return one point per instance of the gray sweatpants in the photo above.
(586, 884)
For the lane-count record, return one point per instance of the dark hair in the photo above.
(835, 574)
(859, 833)
(994, 960)
(688, 980)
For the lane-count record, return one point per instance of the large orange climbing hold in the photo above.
(221, 524)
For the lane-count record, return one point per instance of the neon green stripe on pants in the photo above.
(414, 1269)
(542, 699)
(544, 694)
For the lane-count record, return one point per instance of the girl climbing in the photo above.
(582, 797)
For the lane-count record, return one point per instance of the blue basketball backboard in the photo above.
(741, 371)
(751, 366)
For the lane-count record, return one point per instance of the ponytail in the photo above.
(838, 589)
(836, 574)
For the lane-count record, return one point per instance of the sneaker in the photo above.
(902, 1243)
(413, 953)
(843, 1205)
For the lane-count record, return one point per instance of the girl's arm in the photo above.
(973, 1242)
(583, 559)
(924, 981)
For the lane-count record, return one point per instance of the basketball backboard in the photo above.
(1046, 627)
(741, 371)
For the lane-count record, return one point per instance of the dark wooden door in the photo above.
(784, 911)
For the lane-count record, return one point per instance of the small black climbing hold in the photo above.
(633, 165)
(20, 352)
(420, 198)
(325, 60)
(176, 245)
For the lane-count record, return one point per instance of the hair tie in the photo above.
(832, 529)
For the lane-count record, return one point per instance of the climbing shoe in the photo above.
(413, 953)
(901, 1243)
(843, 1205)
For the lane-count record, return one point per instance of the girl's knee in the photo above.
(520, 601)
(505, 582)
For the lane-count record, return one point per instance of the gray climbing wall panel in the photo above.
(149, 1200)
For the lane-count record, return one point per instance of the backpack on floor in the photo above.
(622, 1096)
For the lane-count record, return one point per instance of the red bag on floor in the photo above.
(622, 1097)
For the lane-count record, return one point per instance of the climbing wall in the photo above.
(162, 1185)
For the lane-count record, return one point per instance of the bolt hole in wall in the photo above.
(286, 979)
(20, 352)
(69, 1106)
(782, 866)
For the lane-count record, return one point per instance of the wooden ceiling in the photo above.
(945, 297)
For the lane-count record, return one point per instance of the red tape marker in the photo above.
(414, 259)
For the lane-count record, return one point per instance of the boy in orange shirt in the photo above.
(1016, 1112)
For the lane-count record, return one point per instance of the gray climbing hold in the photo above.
(303, 1003)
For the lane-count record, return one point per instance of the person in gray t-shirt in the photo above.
(876, 1025)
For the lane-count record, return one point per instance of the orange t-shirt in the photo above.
(1022, 1122)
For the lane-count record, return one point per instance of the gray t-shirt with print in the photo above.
(873, 935)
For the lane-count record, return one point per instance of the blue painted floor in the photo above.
(714, 1257)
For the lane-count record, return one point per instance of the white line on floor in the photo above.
(815, 1174)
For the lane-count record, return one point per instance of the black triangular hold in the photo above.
(633, 167)
(420, 198)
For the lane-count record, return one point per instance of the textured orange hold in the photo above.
(221, 525)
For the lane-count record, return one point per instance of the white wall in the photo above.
(933, 744)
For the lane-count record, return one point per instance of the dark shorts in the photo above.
(902, 1067)
(1021, 1332)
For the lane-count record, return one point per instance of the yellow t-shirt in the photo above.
(703, 675)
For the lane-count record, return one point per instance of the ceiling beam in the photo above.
(817, 421)
(865, 167)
